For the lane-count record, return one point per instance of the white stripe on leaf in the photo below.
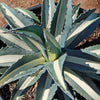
(84, 62)
(83, 85)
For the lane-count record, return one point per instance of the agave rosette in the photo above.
(44, 50)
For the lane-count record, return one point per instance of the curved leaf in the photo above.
(82, 30)
(3, 69)
(12, 40)
(14, 18)
(55, 71)
(75, 12)
(52, 46)
(9, 60)
(28, 13)
(47, 12)
(67, 25)
(46, 88)
(24, 84)
(32, 30)
(78, 84)
(92, 50)
(38, 45)
(27, 65)
(84, 15)
(77, 60)
(59, 18)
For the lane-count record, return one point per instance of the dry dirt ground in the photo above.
(88, 4)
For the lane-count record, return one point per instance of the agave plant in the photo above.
(45, 51)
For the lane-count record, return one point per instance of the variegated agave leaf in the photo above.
(44, 51)
(29, 14)
(13, 17)
(24, 84)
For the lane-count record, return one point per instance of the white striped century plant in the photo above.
(44, 50)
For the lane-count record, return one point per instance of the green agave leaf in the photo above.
(61, 95)
(47, 12)
(82, 62)
(46, 88)
(92, 50)
(78, 84)
(55, 71)
(24, 84)
(14, 18)
(84, 15)
(59, 17)
(28, 13)
(53, 48)
(75, 12)
(26, 66)
(12, 40)
(82, 31)
(10, 55)
(67, 26)
(3, 69)
(94, 76)
(9, 60)
(32, 30)
(32, 44)
(11, 50)
(30, 40)
(89, 81)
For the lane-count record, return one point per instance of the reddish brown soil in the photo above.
(88, 4)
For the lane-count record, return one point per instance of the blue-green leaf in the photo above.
(52, 46)
(46, 88)
(82, 62)
(14, 18)
(84, 15)
(28, 13)
(3, 69)
(59, 17)
(27, 65)
(67, 25)
(82, 30)
(55, 71)
(10, 55)
(24, 84)
(75, 12)
(80, 85)
(12, 40)
(92, 50)
(33, 31)
(47, 12)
